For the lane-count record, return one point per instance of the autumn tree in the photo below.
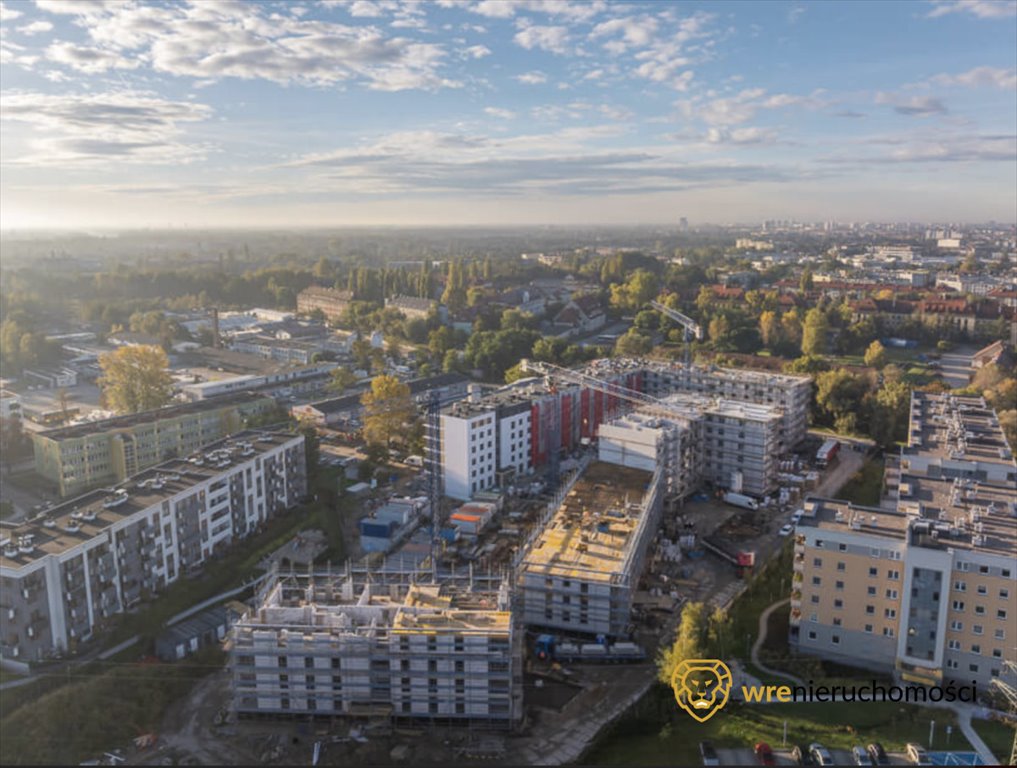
(814, 332)
(769, 328)
(688, 644)
(634, 293)
(806, 281)
(135, 378)
(875, 355)
(389, 411)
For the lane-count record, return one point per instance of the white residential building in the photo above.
(66, 571)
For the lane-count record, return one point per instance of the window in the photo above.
(983, 569)
(1001, 614)
(960, 586)
(976, 648)
(957, 626)
(872, 591)
(953, 645)
(997, 653)
(890, 613)
(873, 571)
(972, 667)
(891, 594)
(977, 629)
(979, 610)
(982, 589)
(887, 631)
(842, 547)
(868, 628)
(814, 599)
(963, 567)
(813, 617)
(812, 635)
(893, 575)
(870, 610)
(837, 622)
(817, 562)
(819, 543)
(1004, 594)
(999, 634)
(957, 605)
(841, 566)
(835, 639)
(840, 585)
(816, 581)
(838, 603)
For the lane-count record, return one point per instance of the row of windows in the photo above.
(981, 589)
(958, 606)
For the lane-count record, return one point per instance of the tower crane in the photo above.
(1010, 694)
(692, 329)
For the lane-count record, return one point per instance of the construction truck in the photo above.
(740, 500)
(550, 648)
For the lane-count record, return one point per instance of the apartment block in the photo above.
(927, 589)
(84, 456)
(581, 570)
(330, 301)
(327, 646)
(64, 573)
(789, 394)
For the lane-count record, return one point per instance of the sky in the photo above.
(218, 113)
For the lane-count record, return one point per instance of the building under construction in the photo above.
(363, 645)
(581, 570)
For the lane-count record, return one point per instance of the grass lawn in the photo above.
(997, 736)
(7, 675)
(865, 486)
(99, 710)
(770, 584)
(658, 733)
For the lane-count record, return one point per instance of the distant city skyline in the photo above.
(226, 114)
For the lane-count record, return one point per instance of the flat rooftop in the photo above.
(147, 417)
(959, 428)
(843, 516)
(80, 519)
(332, 605)
(590, 534)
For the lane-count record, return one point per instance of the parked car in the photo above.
(877, 754)
(820, 754)
(860, 755)
(764, 754)
(917, 755)
(786, 530)
(800, 754)
(708, 753)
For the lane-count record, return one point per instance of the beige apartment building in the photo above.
(927, 586)
(329, 300)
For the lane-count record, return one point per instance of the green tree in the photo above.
(633, 343)
(791, 327)
(839, 395)
(135, 378)
(312, 446)
(889, 408)
(875, 355)
(814, 332)
(389, 411)
(806, 281)
(342, 379)
(637, 291)
(719, 330)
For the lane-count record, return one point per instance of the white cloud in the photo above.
(580, 10)
(8, 14)
(477, 51)
(915, 106)
(741, 136)
(87, 59)
(35, 28)
(634, 31)
(228, 39)
(981, 9)
(553, 39)
(501, 114)
(125, 126)
(71, 7)
(532, 78)
(740, 108)
(989, 77)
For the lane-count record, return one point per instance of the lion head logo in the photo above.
(701, 687)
